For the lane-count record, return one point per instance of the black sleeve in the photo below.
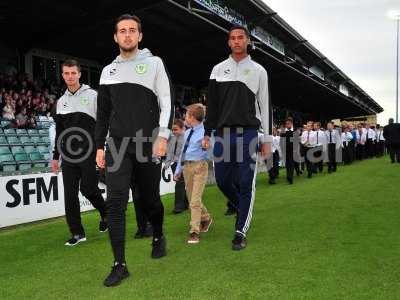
(212, 108)
(59, 129)
(104, 108)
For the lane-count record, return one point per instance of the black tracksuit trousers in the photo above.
(147, 177)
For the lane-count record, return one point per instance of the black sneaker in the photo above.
(159, 248)
(103, 226)
(239, 242)
(76, 239)
(118, 273)
(144, 232)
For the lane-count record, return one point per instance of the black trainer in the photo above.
(239, 242)
(159, 248)
(146, 232)
(118, 273)
(103, 225)
(76, 239)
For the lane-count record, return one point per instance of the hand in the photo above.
(177, 177)
(100, 161)
(205, 143)
(265, 150)
(54, 166)
(160, 147)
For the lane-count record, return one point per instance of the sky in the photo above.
(356, 35)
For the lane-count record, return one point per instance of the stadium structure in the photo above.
(191, 37)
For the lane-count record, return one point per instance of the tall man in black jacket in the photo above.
(238, 106)
(75, 117)
(391, 133)
(135, 108)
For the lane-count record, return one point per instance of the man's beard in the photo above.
(128, 50)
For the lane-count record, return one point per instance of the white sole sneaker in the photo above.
(71, 245)
(193, 242)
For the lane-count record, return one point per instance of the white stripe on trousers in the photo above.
(253, 196)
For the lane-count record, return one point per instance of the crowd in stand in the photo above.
(22, 99)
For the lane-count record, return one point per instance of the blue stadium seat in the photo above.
(7, 163)
(3, 141)
(29, 149)
(14, 141)
(5, 150)
(38, 160)
(26, 140)
(17, 149)
(43, 149)
(33, 132)
(10, 132)
(44, 140)
(23, 161)
(43, 132)
(22, 132)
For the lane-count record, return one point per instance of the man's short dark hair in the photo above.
(238, 27)
(71, 63)
(128, 17)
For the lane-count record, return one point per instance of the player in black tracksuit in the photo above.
(238, 106)
(75, 118)
(135, 108)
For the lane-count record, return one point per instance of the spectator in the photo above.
(8, 110)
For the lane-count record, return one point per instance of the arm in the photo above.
(165, 100)
(59, 130)
(212, 104)
(103, 113)
(264, 105)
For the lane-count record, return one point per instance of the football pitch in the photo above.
(332, 237)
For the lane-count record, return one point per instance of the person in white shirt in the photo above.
(380, 141)
(352, 144)
(273, 169)
(290, 148)
(360, 142)
(347, 137)
(333, 142)
(309, 142)
(369, 144)
(321, 146)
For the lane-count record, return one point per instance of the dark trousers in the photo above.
(380, 148)
(181, 200)
(332, 158)
(352, 151)
(147, 177)
(319, 165)
(83, 177)
(291, 166)
(360, 149)
(141, 218)
(394, 151)
(369, 145)
(346, 154)
(308, 157)
(236, 178)
(273, 168)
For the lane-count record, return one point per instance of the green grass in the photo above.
(333, 237)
